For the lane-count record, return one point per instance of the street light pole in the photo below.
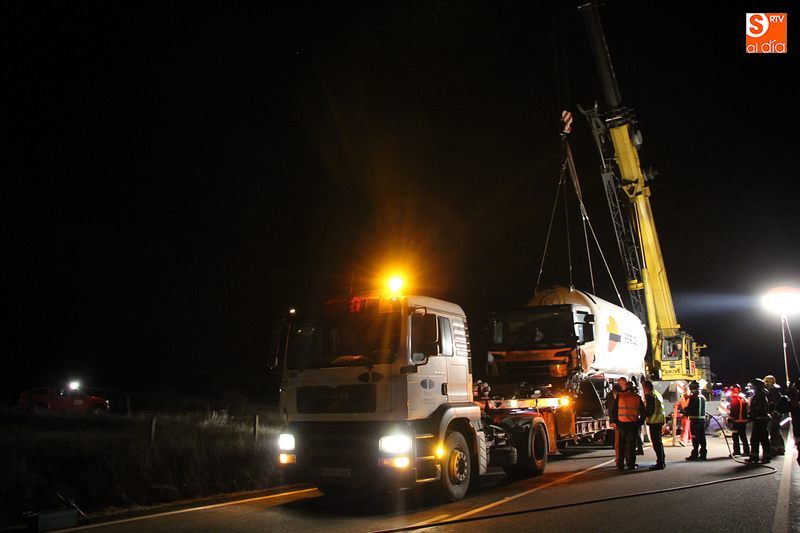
(784, 325)
(783, 301)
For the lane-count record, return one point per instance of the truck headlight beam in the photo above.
(395, 444)
(286, 442)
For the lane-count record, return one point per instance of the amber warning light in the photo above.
(395, 284)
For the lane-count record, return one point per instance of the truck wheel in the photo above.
(456, 467)
(538, 450)
(534, 464)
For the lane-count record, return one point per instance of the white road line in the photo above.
(529, 491)
(780, 524)
(190, 510)
(429, 520)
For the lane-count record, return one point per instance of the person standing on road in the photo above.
(620, 386)
(695, 410)
(793, 393)
(738, 411)
(759, 414)
(629, 413)
(776, 407)
(654, 408)
(685, 426)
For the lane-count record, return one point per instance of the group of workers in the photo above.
(628, 413)
(765, 410)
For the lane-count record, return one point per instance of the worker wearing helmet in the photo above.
(628, 413)
(776, 407)
(737, 415)
(654, 406)
(760, 416)
(695, 410)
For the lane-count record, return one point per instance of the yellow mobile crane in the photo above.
(674, 352)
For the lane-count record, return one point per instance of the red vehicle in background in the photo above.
(62, 401)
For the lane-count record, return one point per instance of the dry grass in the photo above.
(103, 462)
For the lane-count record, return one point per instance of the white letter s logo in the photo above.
(756, 24)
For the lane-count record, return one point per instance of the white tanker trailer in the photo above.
(619, 340)
(565, 342)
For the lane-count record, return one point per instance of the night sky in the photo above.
(179, 174)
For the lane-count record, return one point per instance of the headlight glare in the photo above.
(286, 442)
(395, 444)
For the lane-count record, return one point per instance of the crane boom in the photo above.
(673, 352)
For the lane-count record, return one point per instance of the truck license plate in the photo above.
(335, 472)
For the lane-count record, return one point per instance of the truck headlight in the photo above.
(286, 442)
(395, 444)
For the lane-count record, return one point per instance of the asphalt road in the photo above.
(565, 498)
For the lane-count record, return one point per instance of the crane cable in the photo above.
(579, 194)
(585, 215)
(550, 227)
(569, 240)
(561, 66)
(569, 163)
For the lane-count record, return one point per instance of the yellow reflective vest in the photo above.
(658, 413)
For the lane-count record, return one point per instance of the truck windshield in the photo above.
(534, 328)
(345, 339)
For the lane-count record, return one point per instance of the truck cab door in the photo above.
(458, 382)
(427, 385)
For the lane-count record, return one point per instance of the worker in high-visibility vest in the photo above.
(737, 414)
(654, 408)
(628, 413)
(695, 410)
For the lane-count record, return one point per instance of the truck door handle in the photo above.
(444, 389)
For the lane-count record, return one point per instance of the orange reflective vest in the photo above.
(738, 409)
(628, 407)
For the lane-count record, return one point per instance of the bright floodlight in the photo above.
(782, 300)
(74, 385)
(395, 283)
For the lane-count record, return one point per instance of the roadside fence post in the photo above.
(255, 428)
(153, 430)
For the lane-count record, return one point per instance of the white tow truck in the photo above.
(377, 392)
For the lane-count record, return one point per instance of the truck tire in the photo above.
(534, 461)
(456, 467)
(538, 460)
